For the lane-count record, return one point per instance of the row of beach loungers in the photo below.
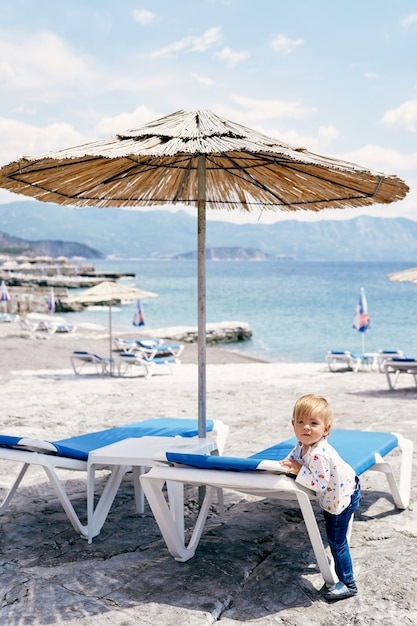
(135, 356)
(392, 363)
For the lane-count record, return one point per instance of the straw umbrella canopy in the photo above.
(109, 293)
(198, 159)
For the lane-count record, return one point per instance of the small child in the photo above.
(319, 467)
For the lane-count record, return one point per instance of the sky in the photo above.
(339, 78)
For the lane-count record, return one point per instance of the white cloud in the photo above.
(409, 20)
(285, 45)
(204, 80)
(19, 139)
(386, 160)
(42, 62)
(403, 117)
(143, 16)
(373, 75)
(231, 57)
(126, 121)
(253, 111)
(192, 43)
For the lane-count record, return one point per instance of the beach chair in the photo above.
(65, 328)
(395, 366)
(85, 362)
(149, 349)
(127, 362)
(8, 317)
(130, 345)
(73, 453)
(262, 475)
(338, 360)
(29, 325)
(384, 355)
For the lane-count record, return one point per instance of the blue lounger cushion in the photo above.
(356, 447)
(78, 447)
(157, 360)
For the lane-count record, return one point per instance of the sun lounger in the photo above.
(150, 347)
(84, 362)
(260, 475)
(38, 325)
(8, 317)
(130, 345)
(73, 454)
(151, 351)
(337, 360)
(128, 362)
(65, 328)
(396, 366)
(28, 325)
(384, 355)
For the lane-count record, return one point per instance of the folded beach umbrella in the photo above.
(138, 318)
(4, 292)
(200, 159)
(51, 301)
(361, 319)
(109, 293)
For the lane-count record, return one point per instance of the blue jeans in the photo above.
(336, 531)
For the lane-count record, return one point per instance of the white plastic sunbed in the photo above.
(73, 454)
(149, 347)
(399, 365)
(337, 360)
(83, 362)
(127, 362)
(261, 475)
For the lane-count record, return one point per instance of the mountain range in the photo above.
(16, 246)
(162, 234)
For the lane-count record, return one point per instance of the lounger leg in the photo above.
(392, 384)
(65, 501)
(400, 490)
(176, 505)
(139, 495)
(13, 489)
(97, 517)
(326, 568)
(167, 523)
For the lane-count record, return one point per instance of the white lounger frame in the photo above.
(262, 484)
(393, 369)
(95, 517)
(335, 359)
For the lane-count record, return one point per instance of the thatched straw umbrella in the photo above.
(110, 293)
(198, 159)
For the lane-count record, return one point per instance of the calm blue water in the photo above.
(297, 310)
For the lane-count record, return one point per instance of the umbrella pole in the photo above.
(201, 273)
(110, 342)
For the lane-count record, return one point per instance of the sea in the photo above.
(297, 310)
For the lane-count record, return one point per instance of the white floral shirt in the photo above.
(326, 473)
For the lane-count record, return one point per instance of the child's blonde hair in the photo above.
(309, 403)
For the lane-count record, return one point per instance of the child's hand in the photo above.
(294, 466)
